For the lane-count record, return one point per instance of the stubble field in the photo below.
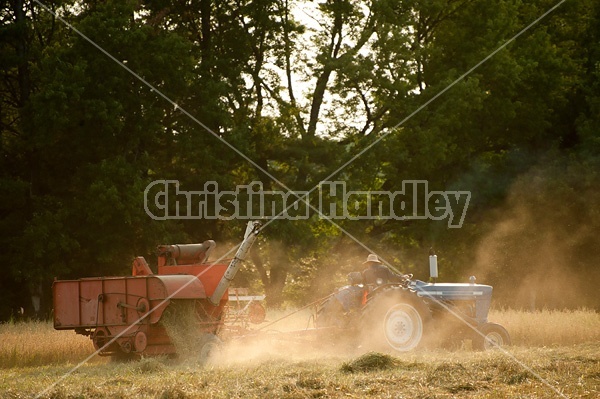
(553, 354)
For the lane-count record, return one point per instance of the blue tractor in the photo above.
(406, 314)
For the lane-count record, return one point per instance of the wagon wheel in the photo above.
(492, 336)
(395, 320)
(256, 313)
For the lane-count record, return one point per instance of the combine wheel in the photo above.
(395, 321)
(491, 336)
(140, 341)
(212, 348)
(100, 339)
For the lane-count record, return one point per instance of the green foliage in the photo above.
(298, 88)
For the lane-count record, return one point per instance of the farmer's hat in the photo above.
(372, 258)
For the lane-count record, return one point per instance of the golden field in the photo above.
(554, 354)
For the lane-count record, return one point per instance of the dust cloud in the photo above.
(284, 336)
(291, 339)
(542, 247)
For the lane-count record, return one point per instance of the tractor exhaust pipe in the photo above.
(433, 265)
(252, 230)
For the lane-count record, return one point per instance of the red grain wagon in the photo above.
(122, 315)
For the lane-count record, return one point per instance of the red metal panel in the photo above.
(115, 301)
(66, 304)
(140, 267)
(89, 292)
(179, 287)
(113, 293)
(207, 274)
(136, 292)
(158, 307)
(156, 293)
(76, 303)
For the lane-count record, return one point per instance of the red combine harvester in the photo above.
(122, 315)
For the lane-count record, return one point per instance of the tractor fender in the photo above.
(350, 297)
(387, 289)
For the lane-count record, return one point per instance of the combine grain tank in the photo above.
(123, 315)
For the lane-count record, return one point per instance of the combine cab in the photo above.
(126, 315)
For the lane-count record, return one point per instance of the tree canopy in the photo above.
(99, 99)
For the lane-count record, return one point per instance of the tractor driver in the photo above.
(377, 273)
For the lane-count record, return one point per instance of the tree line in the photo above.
(98, 99)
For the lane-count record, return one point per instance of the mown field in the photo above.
(554, 354)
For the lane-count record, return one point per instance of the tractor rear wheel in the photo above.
(491, 336)
(397, 321)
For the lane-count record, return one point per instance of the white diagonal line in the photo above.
(161, 94)
(432, 99)
(337, 170)
(106, 345)
(356, 156)
(169, 100)
(503, 350)
(460, 78)
(437, 301)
